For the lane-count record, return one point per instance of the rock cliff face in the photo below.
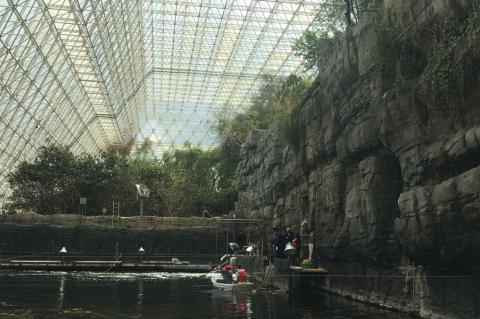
(387, 168)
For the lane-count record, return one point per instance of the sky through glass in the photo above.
(94, 73)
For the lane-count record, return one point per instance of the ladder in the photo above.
(268, 275)
(115, 210)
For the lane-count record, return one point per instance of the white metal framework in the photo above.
(94, 73)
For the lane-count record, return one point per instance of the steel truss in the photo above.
(94, 73)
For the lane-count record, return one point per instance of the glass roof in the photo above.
(94, 73)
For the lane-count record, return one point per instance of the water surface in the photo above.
(41, 295)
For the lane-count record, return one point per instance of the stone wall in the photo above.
(85, 242)
(386, 172)
(135, 222)
(41, 236)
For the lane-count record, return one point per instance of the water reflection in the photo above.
(159, 295)
(228, 305)
(140, 292)
(61, 293)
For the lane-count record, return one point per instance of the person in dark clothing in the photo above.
(290, 235)
(227, 275)
(266, 262)
(279, 243)
(296, 241)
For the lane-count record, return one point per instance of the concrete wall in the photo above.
(40, 235)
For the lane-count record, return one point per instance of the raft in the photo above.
(241, 286)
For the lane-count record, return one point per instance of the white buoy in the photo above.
(141, 253)
(63, 251)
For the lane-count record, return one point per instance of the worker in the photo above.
(241, 274)
(279, 243)
(227, 277)
(233, 262)
(295, 240)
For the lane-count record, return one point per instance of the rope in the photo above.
(114, 264)
(379, 276)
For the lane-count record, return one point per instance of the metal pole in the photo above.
(234, 235)
(116, 250)
(141, 207)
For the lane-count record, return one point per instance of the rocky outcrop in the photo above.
(387, 168)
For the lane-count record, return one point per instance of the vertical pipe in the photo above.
(216, 240)
(413, 287)
(113, 211)
(227, 243)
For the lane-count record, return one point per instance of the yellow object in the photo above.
(307, 261)
(317, 270)
(308, 264)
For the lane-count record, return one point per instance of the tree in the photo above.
(182, 183)
(47, 184)
(334, 16)
(90, 181)
(270, 109)
(145, 149)
(197, 180)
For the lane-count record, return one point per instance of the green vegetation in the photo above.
(446, 72)
(441, 72)
(183, 183)
(270, 109)
(331, 21)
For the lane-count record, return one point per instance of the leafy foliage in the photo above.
(270, 109)
(183, 183)
(449, 66)
(331, 21)
(287, 132)
(47, 182)
(197, 179)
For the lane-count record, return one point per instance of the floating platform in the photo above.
(103, 265)
(317, 270)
